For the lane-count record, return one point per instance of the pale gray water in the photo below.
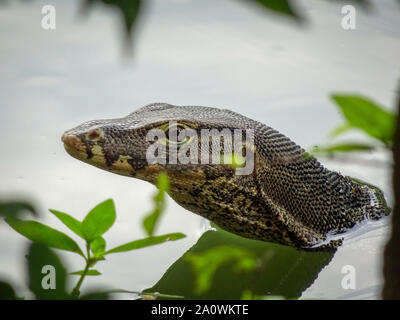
(213, 53)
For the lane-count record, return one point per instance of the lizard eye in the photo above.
(176, 133)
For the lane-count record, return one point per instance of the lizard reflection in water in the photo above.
(289, 197)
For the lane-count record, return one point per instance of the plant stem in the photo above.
(75, 291)
(154, 294)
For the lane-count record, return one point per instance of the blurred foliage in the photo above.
(91, 230)
(37, 257)
(345, 147)
(206, 263)
(280, 6)
(248, 295)
(129, 10)
(149, 223)
(360, 113)
(14, 209)
(222, 265)
(7, 292)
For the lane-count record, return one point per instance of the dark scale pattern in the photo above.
(289, 198)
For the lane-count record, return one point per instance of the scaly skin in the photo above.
(289, 198)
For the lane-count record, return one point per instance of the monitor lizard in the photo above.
(289, 197)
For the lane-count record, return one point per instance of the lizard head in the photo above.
(158, 138)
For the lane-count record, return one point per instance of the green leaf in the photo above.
(43, 234)
(341, 148)
(91, 272)
(150, 221)
(280, 6)
(340, 130)
(98, 246)
(99, 220)
(150, 241)
(15, 208)
(47, 275)
(7, 292)
(73, 224)
(368, 116)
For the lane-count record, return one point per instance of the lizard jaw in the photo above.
(77, 149)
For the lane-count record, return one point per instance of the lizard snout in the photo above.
(72, 141)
